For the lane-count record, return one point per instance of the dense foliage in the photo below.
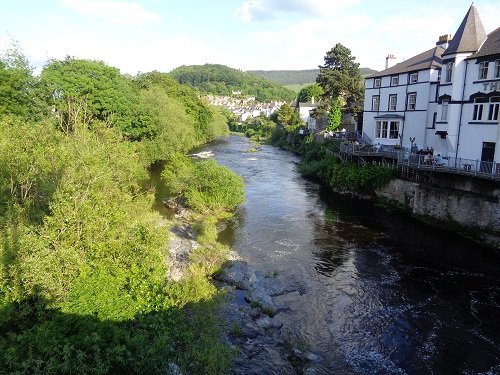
(335, 114)
(288, 77)
(277, 129)
(16, 82)
(83, 285)
(208, 188)
(309, 92)
(340, 77)
(297, 77)
(256, 128)
(321, 165)
(221, 80)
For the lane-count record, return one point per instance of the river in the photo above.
(378, 292)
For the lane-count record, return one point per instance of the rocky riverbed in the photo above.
(263, 345)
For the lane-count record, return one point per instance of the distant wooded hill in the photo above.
(218, 79)
(297, 77)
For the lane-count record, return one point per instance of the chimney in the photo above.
(444, 40)
(388, 62)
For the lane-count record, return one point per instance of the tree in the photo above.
(84, 90)
(171, 129)
(335, 114)
(16, 81)
(311, 91)
(287, 116)
(340, 76)
(193, 105)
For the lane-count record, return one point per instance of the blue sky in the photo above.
(145, 35)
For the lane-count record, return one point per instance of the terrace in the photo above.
(365, 153)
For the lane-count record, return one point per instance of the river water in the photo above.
(378, 292)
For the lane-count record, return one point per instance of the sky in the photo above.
(145, 35)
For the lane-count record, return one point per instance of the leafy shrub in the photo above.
(365, 179)
(208, 259)
(209, 189)
(206, 230)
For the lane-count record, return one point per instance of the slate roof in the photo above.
(469, 36)
(491, 46)
(425, 60)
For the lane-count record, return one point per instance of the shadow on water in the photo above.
(424, 300)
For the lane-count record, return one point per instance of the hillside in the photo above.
(297, 77)
(218, 79)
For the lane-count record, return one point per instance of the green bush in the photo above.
(206, 230)
(208, 259)
(209, 189)
(365, 179)
(82, 278)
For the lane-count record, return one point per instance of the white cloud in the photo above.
(317, 8)
(118, 11)
(253, 10)
(268, 9)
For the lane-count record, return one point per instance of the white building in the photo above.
(446, 98)
(305, 110)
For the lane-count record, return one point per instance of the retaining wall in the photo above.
(467, 206)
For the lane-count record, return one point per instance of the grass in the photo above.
(297, 87)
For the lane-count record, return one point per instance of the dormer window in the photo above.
(413, 78)
(394, 80)
(376, 82)
(483, 70)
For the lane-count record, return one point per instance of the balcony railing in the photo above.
(450, 164)
(469, 167)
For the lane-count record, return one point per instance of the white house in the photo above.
(305, 110)
(446, 98)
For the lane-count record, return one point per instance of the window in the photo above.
(394, 80)
(381, 129)
(412, 100)
(375, 102)
(376, 82)
(478, 109)
(449, 71)
(394, 130)
(413, 78)
(444, 110)
(439, 75)
(392, 102)
(483, 70)
(494, 106)
(387, 129)
(497, 69)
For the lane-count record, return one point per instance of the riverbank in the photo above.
(378, 292)
(261, 343)
(464, 205)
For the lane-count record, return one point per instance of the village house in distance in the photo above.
(446, 98)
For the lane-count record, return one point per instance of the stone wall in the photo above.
(474, 213)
